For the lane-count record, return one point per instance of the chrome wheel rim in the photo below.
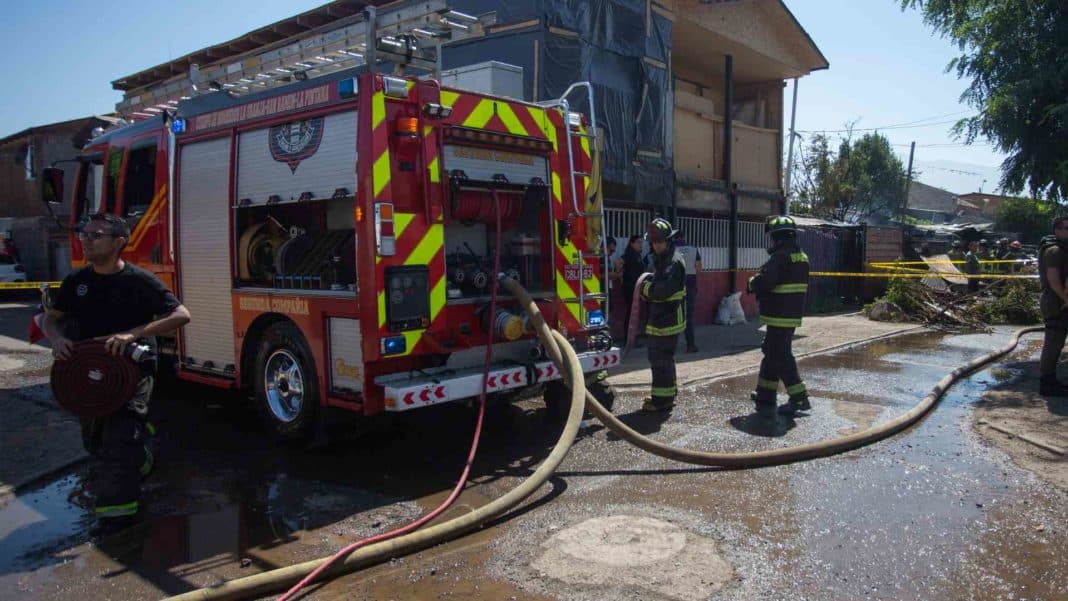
(283, 381)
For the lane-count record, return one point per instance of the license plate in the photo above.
(573, 273)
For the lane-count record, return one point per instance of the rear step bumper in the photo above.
(403, 393)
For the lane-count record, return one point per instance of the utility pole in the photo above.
(790, 154)
(905, 201)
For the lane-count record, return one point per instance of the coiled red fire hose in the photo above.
(93, 382)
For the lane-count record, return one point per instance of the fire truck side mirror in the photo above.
(52, 185)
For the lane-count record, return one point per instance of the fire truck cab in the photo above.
(335, 239)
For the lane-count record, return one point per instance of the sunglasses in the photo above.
(93, 235)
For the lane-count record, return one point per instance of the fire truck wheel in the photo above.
(558, 396)
(597, 385)
(287, 388)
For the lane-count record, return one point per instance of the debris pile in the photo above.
(1001, 302)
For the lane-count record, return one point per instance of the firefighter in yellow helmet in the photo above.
(780, 287)
(665, 291)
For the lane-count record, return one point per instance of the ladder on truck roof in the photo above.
(406, 33)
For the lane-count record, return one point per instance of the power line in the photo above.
(906, 125)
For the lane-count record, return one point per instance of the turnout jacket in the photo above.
(665, 291)
(781, 285)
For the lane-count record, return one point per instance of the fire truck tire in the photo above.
(286, 384)
(558, 395)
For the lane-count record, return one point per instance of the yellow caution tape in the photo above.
(26, 285)
(892, 263)
(929, 274)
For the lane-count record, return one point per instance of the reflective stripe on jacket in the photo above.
(781, 285)
(665, 291)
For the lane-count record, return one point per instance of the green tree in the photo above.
(863, 180)
(1016, 54)
(1029, 217)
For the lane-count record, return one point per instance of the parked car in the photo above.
(11, 270)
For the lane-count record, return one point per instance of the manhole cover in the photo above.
(673, 563)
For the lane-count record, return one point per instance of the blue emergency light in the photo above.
(595, 318)
(394, 345)
(178, 125)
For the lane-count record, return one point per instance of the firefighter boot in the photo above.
(765, 406)
(650, 406)
(798, 402)
(1051, 386)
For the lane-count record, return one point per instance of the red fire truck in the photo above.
(334, 239)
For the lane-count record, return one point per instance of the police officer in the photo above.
(665, 291)
(780, 287)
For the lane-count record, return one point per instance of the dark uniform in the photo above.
(1052, 253)
(780, 287)
(118, 444)
(665, 291)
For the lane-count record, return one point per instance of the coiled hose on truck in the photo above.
(564, 356)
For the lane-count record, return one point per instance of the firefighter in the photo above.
(780, 287)
(1002, 253)
(971, 265)
(1053, 275)
(956, 253)
(1017, 254)
(665, 291)
(115, 301)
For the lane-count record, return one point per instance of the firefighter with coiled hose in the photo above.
(780, 287)
(119, 304)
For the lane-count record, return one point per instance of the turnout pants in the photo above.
(120, 456)
(691, 303)
(1056, 321)
(662, 364)
(778, 364)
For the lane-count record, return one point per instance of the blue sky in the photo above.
(886, 67)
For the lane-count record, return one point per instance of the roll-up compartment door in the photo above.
(203, 206)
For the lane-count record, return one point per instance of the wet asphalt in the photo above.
(933, 513)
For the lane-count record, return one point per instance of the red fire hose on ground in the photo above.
(345, 552)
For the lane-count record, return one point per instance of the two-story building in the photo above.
(660, 80)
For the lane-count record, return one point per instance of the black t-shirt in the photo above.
(108, 304)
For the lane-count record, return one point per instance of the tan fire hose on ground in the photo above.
(561, 352)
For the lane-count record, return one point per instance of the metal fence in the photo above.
(710, 236)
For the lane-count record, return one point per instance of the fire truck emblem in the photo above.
(293, 142)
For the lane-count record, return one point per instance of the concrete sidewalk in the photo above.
(730, 350)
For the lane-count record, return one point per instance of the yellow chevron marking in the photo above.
(381, 309)
(510, 120)
(585, 142)
(426, 130)
(542, 119)
(556, 189)
(428, 246)
(381, 173)
(400, 222)
(563, 290)
(378, 110)
(449, 98)
(481, 115)
(434, 171)
(437, 299)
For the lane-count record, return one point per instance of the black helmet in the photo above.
(659, 230)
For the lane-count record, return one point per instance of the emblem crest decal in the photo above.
(82, 290)
(293, 142)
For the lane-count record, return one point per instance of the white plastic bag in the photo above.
(730, 310)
